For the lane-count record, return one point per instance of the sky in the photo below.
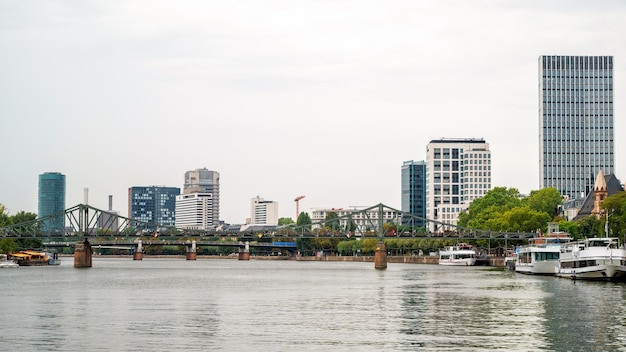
(283, 98)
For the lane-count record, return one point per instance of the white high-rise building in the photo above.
(204, 182)
(194, 211)
(263, 212)
(457, 172)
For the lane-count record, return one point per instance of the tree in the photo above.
(496, 201)
(285, 221)
(525, 219)
(332, 221)
(303, 219)
(615, 210)
(589, 226)
(23, 216)
(4, 217)
(546, 200)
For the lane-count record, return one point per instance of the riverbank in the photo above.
(489, 261)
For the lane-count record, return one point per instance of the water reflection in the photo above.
(164, 305)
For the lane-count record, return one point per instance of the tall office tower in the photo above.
(414, 190)
(263, 212)
(153, 204)
(575, 122)
(194, 211)
(457, 172)
(207, 182)
(52, 201)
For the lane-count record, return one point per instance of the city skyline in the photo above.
(314, 98)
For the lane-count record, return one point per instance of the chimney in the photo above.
(86, 196)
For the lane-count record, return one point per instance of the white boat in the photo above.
(593, 259)
(459, 254)
(541, 255)
(7, 263)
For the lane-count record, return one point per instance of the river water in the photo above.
(263, 305)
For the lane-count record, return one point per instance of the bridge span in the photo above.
(88, 227)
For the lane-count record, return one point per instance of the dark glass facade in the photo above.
(52, 201)
(575, 122)
(153, 204)
(414, 189)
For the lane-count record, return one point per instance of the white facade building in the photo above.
(367, 221)
(263, 212)
(207, 182)
(194, 211)
(457, 172)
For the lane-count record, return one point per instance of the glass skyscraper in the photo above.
(414, 189)
(153, 204)
(575, 122)
(52, 201)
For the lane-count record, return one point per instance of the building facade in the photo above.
(51, 200)
(263, 212)
(575, 122)
(457, 172)
(153, 204)
(414, 190)
(364, 219)
(206, 182)
(194, 211)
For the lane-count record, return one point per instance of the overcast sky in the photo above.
(283, 98)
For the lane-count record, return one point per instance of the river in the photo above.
(264, 305)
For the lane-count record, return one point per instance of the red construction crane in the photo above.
(297, 200)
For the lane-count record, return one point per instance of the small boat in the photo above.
(541, 255)
(460, 254)
(5, 262)
(30, 258)
(593, 259)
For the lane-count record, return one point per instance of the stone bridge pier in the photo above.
(138, 250)
(82, 254)
(244, 252)
(380, 256)
(191, 250)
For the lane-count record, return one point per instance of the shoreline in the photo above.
(433, 260)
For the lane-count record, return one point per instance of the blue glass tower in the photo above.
(575, 122)
(414, 189)
(153, 204)
(52, 201)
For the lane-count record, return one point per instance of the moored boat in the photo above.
(593, 259)
(5, 262)
(460, 254)
(541, 255)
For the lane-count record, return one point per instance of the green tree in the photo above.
(22, 217)
(589, 226)
(525, 219)
(615, 210)
(285, 221)
(4, 217)
(546, 200)
(332, 221)
(496, 201)
(303, 219)
(8, 245)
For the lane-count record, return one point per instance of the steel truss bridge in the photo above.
(379, 221)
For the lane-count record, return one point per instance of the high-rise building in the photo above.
(206, 182)
(52, 201)
(457, 172)
(263, 212)
(194, 211)
(575, 122)
(153, 204)
(414, 190)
